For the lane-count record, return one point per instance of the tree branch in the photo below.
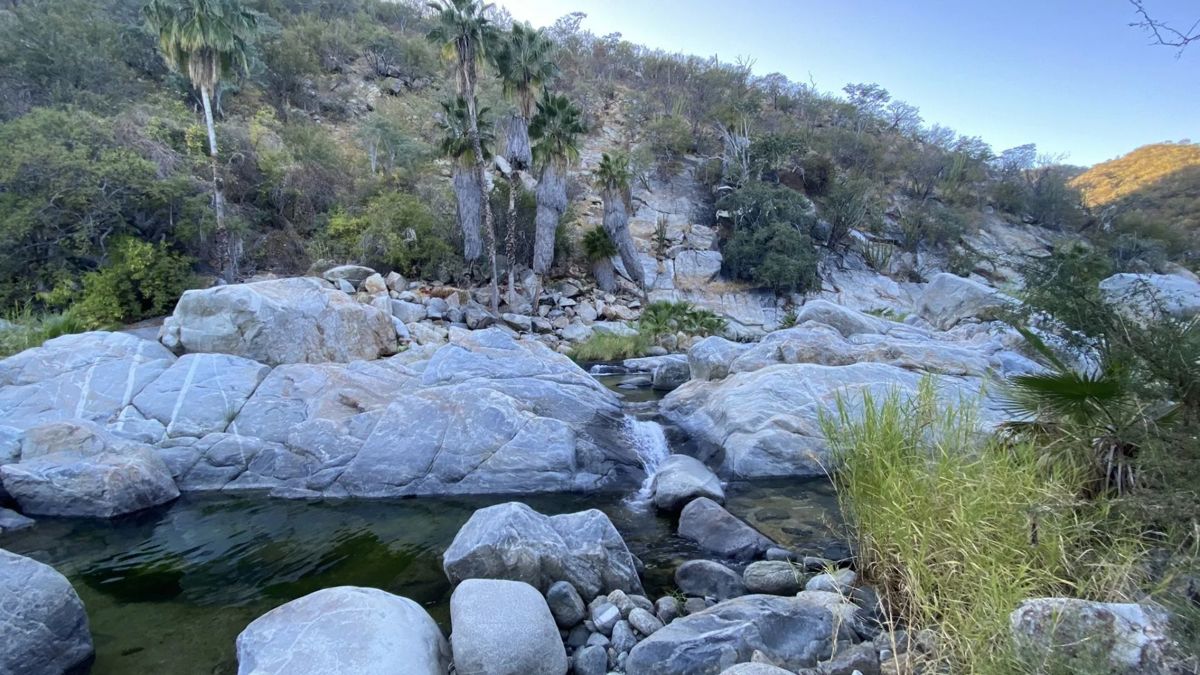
(1164, 34)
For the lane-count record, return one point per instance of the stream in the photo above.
(168, 590)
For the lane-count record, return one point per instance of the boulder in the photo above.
(512, 541)
(565, 604)
(1069, 635)
(104, 484)
(696, 268)
(708, 579)
(42, 621)
(710, 358)
(950, 299)
(353, 274)
(787, 631)
(503, 628)
(11, 521)
(671, 373)
(200, 393)
(1152, 295)
(345, 629)
(72, 435)
(644, 621)
(518, 322)
(590, 660)
(718, 531)
(298, 320)
(773, 577)
(680, 479)
(408, 312)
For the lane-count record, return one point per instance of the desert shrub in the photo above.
(757, 204)
(669, 138)
(396, 231)
(850, 205)
(140, 280)
(956, 531)
(819, 173)
(778, 257)
(931, 225)
(610, 347)
(668, 318)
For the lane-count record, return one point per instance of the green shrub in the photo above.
(956, 531)
(850, 205)
(597, 245)
(931, 225)
(669, 138)
(777, 257)
(610, 347)
(396, 231)
(819, 173)
(29, 329)
(668, 318)
(140, 280)
(759, 204)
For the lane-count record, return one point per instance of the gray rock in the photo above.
(200, 393)
(623, 638)
(755, 669)
(787, 631)
(837, 581)
(773, 578)
(81, 436)
(408, 312)
(950, 299)
(846, 321)
(1153, 295)
(705, 578)
(1069, 635)
(861, 658)
(11, 521)
(667, 609)
(300, 320)
(591, 660)
(517, 322)
(598, 640)
(645, 622)
(512, 541)
(576, 332)
(42, 621)
(345, 629)
(504, 628)
(102, 485)
(617, 328)
(696, 268)
(680, 479)
(374, 285)
(694, 605)
(577, 636)
(353, 274)
(718, 531)
(477, 318)
(565, 604)
(622, 600)
(711, 358)
(605, 616)
(642, 601)
(670, 374)
(437, 308)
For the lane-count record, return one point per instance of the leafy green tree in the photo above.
(139, 280)
(524, 59)
(757, 204)
(776, 256)
(465, 33)
(207, 40)
(612, 178)
(396, 231)
(555, 131)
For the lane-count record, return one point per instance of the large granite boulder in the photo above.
(950, 299)
(104, 484)
(504, 628)
(788, 631)
(710, 358)
(680, 479)
(719, 531)
(344, 630)
(297, 320)
(512, 541)
(1153, 295)
(43, 626)
(1082, 636)
(89, 376)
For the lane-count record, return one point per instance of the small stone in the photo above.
(565, 604)
(605, 616)
(645, 622)
(622, 601)
(577, 636)
(623, 638)
(693, 605)
(860, 658)
(838, 581)
(705, 578)
(597, 640)
(774, 578)
(642, 601)
(667, 609)
(591, 660)
(395, 282)
(776, 553)
(375, 285)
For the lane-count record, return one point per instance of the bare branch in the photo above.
(1164, 34)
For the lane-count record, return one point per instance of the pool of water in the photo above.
(167, 591)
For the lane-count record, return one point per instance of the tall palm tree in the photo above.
(524, 58)
(612, 178)
(465, 32)
(207, 40)
(555, 131)
(456, 144)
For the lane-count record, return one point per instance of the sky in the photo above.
(1069, 75)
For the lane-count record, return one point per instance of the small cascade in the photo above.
(650, 443)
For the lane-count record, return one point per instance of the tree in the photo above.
(524, 58)
(1163, 33)
(555, 131)
(458, 145)
(612, 178)
(464, 32)
(207, 40)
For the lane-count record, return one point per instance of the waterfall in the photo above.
(650, 443)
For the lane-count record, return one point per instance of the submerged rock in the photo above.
(43, 626)
(680, 479)
(718, 531)
(1069, 635)
(503, 628)
(344, 630)
(512, 541)
(11, 521)
(297, 320)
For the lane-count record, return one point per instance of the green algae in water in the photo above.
(169, 590)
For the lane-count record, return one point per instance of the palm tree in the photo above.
(456, 144)
(599, 250)
(612, 178)
(206, 40)
(555, 130)
(524, 60)
(464, 31)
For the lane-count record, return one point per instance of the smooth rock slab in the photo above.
(200, 393)
(680, 479)
(788, 631)
(101, 485)
(345, 629)
(1069, 635)
(504, 628)
(43, 626)
(950, 299)
(718, 531)
(1153, 295)
(512, 541)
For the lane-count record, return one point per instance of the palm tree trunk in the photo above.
(516, 149)
(225, 260)
(510, 238)
(551, 203)
(605, 274)
(467, 191)
(616, 223)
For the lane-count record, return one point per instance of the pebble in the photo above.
(645, 622)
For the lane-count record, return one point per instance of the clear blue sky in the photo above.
(1069, 75)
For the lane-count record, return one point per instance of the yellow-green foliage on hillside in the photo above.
(1150, 167)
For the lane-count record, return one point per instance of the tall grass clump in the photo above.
(26, 329)
(610, 347)
(956, 528)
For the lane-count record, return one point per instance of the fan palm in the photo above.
(555, 131)
(599, 249)
(612, 179)
(465, 33)
(456, 143)
(206, 40)
(524, 60)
